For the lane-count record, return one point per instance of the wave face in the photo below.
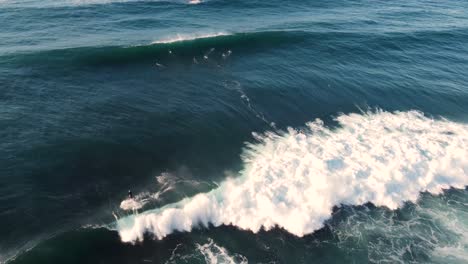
(183, 37)
(182, 48)
(68, 3)
(97, 97)
(294, 179)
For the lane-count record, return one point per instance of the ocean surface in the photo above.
(249, 131)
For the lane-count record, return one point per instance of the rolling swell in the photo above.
(73, 3)
(186, 48)
(181, 49)
(91, 107)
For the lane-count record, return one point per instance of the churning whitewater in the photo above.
(294, 179)
(123, 127)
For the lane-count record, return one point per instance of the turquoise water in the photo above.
(202, 109)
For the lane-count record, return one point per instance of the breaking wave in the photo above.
(65, 3)
(179, 47)
(186, 37)
(294, 179)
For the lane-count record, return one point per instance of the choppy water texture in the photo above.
(249, 131)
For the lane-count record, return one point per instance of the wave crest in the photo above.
(183, 48)
(187, 37)
(294, 179)
(66, 3)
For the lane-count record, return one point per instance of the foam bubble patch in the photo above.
(293, 179)
(214, 254)
(131, 204)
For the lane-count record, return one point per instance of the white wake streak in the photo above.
(293, 180)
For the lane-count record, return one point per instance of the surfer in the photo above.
(130, 194)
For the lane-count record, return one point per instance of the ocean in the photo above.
(248, 131)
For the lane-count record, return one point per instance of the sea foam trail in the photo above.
(293, 179)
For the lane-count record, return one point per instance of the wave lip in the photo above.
(182, 48)
(67, 3)
(187, 37)
(293, 180)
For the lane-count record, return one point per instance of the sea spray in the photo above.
(293, 179)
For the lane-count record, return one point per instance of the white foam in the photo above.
(60, 3)
(435, 227)
(90, 2)
(187, 37)
(214, 254)
(455, 222)
(293, 179)
(131, 204)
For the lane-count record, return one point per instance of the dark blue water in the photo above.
(160, 97)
